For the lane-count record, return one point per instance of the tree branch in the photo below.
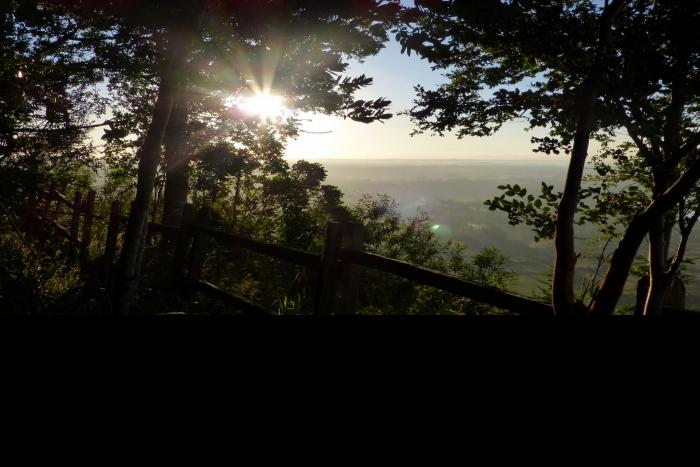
(635, 134)
(74, 127)
(682, 246)
(690, 145)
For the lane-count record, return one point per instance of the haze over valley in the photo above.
(453, 192)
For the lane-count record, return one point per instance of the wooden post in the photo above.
(75, 217)
(181, 245)
(150, 234)
(327, 278)
(339, 281)
(47, 204)
(89, 213)
(30, 215)
(53, 215)
(115, 213)
(142, 251)
(349, 274)
(199, 248)
(44, 230)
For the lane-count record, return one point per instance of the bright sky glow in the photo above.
(262, 105)
(395, 75)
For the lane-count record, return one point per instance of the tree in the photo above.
(251, 38)
(44, 112)
(659, 116)
(583, 75)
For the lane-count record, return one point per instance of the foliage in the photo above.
(532, 61)
(34, 277)
(47, 94)
(59, 56)
(413, 241)
(293, 208)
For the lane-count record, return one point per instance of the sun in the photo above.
(262, 105)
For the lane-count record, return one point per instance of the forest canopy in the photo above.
(188, 98)
(143, 153)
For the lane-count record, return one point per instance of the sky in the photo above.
(395, 75)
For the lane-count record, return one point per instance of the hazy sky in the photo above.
(395, 75)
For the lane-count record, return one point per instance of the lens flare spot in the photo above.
(262, 105)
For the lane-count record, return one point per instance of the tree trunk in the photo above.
(659, 281)
(613, 284)
(658, 252)
(176, 170)
(148, 165)
(565, 264)
(641, 295)
(660, 233)
(236, 201)
(620, 264)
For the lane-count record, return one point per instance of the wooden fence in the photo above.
(339, 267)
(44, 211)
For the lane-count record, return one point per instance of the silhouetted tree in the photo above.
(588, 70)
(255, 39)
(44, 80)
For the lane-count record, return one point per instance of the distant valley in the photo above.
(452, 192)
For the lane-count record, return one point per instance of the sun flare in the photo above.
(263, 105)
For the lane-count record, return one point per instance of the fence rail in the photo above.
(339, 266)
(478, 292)
(41, 217)
(293, 255)
(155, 226)
(243, 304)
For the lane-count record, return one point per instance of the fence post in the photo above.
(339, 280)
(327, 276)
(199, 247)
(53, 213)
(29, 215)
(115, 214)
(51, 232)
(349, 272)
(142, 252)
(44, 231)
(56, 211)
(75, 217)
(47, 204)
(89, 213)
(181, 244)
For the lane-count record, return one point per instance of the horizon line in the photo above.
(366, 159)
